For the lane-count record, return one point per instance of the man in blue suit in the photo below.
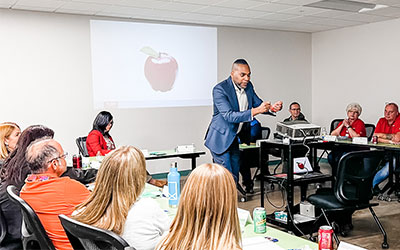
(235, 105)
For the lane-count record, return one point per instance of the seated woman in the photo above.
(207, 215)
(9, 134)
(100, 142)
(14, 172)
(350, 128)
(115, 203)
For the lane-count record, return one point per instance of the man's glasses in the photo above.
(59, 157)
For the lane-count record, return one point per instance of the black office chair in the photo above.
(81, 142)
(34, 235)
(334, 124)
(83, 236)
(370, 129)
(353, 188)
(265, 132)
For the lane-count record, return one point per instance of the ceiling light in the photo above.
(345, 5)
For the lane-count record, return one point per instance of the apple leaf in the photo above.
(149, 51)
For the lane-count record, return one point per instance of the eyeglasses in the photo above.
(59, 157)
(295, 109)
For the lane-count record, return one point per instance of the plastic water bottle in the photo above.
(323, 133)
(174, 185)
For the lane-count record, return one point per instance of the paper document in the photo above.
(244, 218)
(259, 243)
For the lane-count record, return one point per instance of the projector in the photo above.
(297, 131)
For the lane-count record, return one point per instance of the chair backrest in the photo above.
(370, 129)
(334, 124)
(265, 131)
(356, 171)
(34, 235)
(81, 142)
(83, 236)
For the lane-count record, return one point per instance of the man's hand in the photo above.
(263, 108)
(277, 106)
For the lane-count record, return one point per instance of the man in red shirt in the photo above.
(388, 127)
(388, 131)
(47, 193)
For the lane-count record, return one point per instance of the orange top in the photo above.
(50, 196)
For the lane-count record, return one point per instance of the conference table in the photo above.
(249, 237)
(93, 162)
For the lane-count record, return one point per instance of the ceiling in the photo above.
(288, 15)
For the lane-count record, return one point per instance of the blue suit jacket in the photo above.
(226, 117)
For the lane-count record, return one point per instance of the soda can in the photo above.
(325, 241)
(374, 139)
(260, 220)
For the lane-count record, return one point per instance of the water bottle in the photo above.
(323, 133)
(174, 185)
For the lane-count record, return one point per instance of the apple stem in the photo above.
(150, 51)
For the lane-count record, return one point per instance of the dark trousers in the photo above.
(230, 159)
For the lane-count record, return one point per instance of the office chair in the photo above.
(34, 235)
(370, 129)
(334, 124)
(81, 142)
(265, 132)
(83, 236)
(352, 190)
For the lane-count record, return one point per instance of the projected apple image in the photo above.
(160, 69)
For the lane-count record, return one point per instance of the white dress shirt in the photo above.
(242, 100)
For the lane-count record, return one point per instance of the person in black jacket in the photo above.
(295, 113)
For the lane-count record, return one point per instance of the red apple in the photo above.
(160, 70)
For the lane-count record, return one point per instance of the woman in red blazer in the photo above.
(99, 141)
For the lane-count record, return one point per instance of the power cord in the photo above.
(291, 216)
(283, 197)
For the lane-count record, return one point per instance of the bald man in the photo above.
(235, 105)
(48, 193)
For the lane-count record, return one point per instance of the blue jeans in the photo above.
(382, 174)
(230, 159)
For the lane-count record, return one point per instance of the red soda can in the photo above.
(374, 139)
(325, 241)
(75, 161)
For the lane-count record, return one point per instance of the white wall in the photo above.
(356, 64)
(45, 77)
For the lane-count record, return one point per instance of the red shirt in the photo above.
(358, 126)
(52, 197)
(383, 126)
(95, 142)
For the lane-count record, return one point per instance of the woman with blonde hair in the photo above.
(9, 134)
(207, 217)
(115, 203)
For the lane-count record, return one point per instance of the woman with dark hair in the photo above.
(14, 172)
(99, 141)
